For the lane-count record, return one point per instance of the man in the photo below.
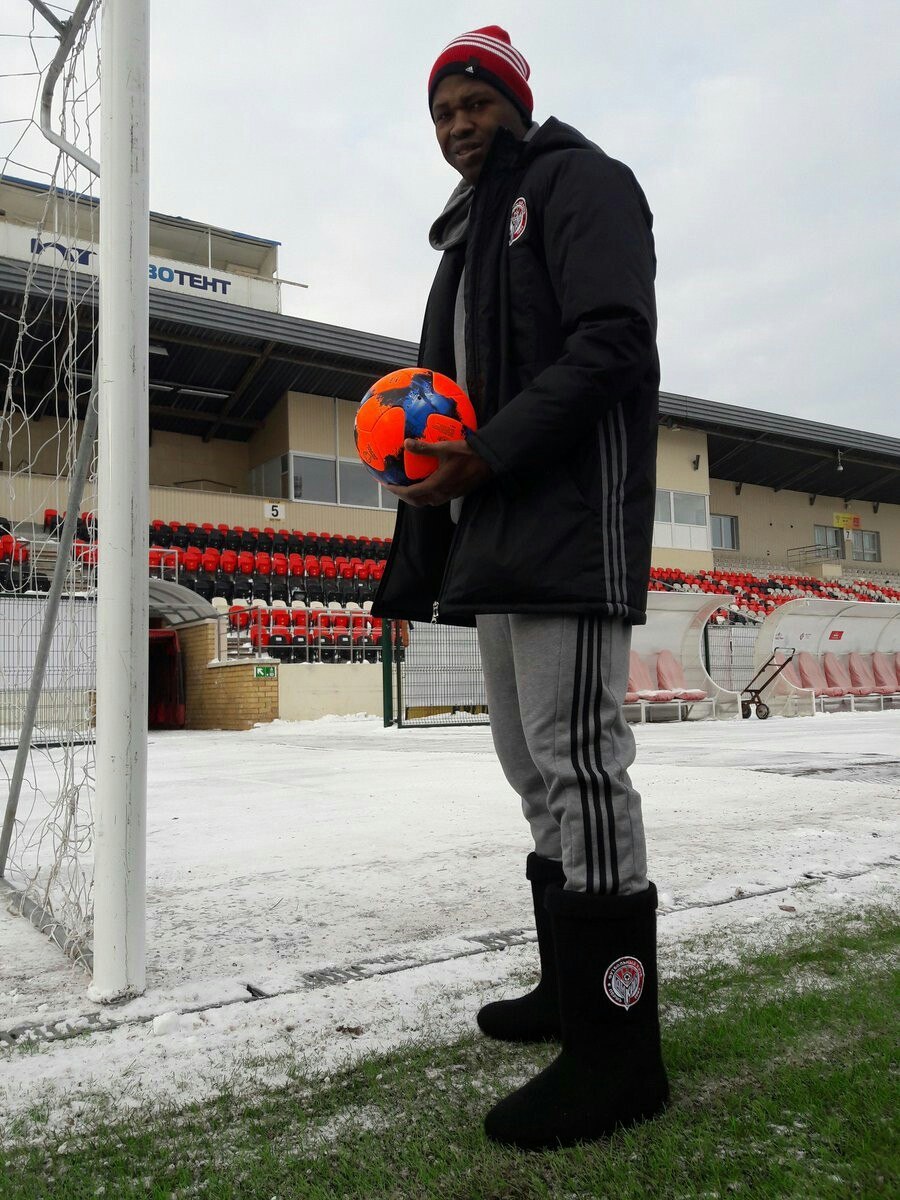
(537, 528)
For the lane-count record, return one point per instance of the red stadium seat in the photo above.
(790, 673)
(259, 637)
(670, 675)
(838, 675)
(239, 616)
(885, 671)
(641, 682)
(812, 676)
(863, 676)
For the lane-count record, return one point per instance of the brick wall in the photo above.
(222, 695)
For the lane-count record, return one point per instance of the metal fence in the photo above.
(66, 708)
(438, 679)
(729, 651)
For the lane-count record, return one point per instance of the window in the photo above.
(680, 520)
(345, 481)
(314, 479)
(330, 474)
(866, 545)
(831, 539)
(724, 532)
(270, 478)
(358, 486)
(663, 506)
(690, 508)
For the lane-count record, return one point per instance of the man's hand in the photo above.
(459, 471)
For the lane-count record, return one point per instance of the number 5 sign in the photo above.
(274, 511)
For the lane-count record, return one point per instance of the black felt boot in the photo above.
(535, 1016)
(610, 1072)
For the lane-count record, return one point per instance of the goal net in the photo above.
(48, 347)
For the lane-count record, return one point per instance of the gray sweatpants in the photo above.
(555, 686)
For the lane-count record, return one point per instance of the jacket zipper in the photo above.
(472, 365)
(472, 361)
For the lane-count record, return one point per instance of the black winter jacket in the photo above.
(563, 372)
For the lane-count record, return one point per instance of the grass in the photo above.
(784, 1082)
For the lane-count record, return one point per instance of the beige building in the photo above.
(779, 492)
(251, 415)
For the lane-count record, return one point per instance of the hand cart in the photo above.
(753, 693)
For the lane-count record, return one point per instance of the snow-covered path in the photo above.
(275, 854)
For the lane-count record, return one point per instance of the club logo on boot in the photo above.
(624, 981)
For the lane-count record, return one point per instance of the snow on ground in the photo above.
(354, 875)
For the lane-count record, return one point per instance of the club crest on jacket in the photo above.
(518, 219)
(624, 981)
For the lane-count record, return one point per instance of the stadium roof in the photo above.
(35, 185)
(217, 369)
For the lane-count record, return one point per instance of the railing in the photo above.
(803, 556)
(205, 485)
(324, 637)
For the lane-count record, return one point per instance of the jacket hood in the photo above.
(556, 135)
(452, 225)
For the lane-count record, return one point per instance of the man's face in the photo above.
(467, 113)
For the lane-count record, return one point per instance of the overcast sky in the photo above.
(764, 134)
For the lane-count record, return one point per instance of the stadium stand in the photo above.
(275, 566)
(303, 596)
(201, 553)
(752, 597)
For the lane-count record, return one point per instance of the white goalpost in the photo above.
(72, 857)
(123, 505)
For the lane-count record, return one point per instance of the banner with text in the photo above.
(22, 242)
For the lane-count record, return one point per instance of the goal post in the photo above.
(72, 840)
(123, 506)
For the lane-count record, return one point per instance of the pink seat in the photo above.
(813, 676)
(670, 674)
(631, 697)
(862, 675)
(790, 674)
(640, 682)
(885, 671)
(838, 675)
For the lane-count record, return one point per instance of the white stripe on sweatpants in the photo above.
(555, 686)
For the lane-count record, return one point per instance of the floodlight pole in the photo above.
(123, 507)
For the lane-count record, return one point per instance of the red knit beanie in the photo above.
(486, 54)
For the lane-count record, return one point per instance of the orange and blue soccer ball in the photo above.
(411, 403)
